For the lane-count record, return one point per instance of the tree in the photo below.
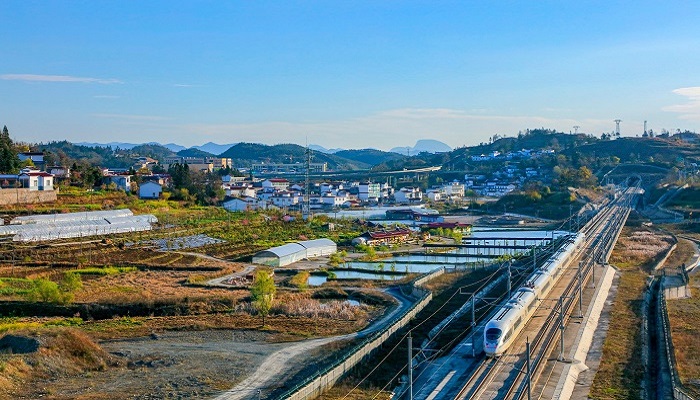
(9, 162)
(263, 292)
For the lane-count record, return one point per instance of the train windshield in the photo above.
(493, 334)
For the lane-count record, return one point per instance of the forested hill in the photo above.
(245, 154)
(370, 156)
(667, 149)
(67, 153)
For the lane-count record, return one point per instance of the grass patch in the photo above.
(103, 271)
(620, 373)
(14, 323)
(16, 286)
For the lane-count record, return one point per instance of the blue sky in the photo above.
(344, 74)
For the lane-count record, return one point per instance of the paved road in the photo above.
(272, 370)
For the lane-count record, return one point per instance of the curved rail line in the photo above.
(601, 232)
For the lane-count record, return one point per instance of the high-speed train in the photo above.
(512, 316)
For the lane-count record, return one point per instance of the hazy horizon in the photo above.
(366, 74)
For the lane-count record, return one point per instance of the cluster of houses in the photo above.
(254, 194)
(508, 179)
(512, 155)
(249, 193)
(32, 178)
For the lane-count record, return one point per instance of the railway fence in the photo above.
(326, 378)
(665, 344)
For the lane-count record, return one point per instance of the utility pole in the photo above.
(306, 207)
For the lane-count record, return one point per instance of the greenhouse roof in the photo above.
(309, 244)
(285, 250)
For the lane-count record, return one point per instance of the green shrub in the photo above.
(71, 282)
(46, 290)
(300, 280)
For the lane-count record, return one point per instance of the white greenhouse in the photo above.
(292, 252)
(74, 225)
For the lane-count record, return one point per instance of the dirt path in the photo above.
(274, 367)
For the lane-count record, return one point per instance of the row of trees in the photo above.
(9, 162)
(202, 187)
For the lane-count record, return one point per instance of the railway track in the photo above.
(601, 234)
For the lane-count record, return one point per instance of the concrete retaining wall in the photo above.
(26, 196)
(569, 376)
(323, 382)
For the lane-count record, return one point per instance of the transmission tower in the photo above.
(645, 128)
(576, 128)
(306, 207)
(617, 127)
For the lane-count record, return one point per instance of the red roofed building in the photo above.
(455, 226)
(383, 237)
(36, 180)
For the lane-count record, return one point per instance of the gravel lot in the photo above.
(173, 365)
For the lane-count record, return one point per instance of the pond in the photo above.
(425, 263)
(404, 267)
(318, 280)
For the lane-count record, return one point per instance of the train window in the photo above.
(493, 334)
(505, 339)
(517, 323)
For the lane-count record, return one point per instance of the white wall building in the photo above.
(244, 204)
(150, 190)
(369, 191)
(408, 195)
(36, 180)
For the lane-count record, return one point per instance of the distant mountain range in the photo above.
(213, 148)
(423, 146)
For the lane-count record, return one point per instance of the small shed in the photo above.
(150, 190)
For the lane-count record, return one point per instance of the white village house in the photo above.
(150, 190)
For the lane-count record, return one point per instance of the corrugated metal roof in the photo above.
(308, 244)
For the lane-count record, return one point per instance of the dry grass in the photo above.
(144, 286)
(307, 307)
(620, 373)
(344, 392)
(283, 327)
(62, 352)
(682, 254)
(639, 249)
(684, 316)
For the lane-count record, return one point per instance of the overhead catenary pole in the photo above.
(410, 366)
(473, 326)
(561, 329)
(580, 291)
(510, 276)
(527, 370)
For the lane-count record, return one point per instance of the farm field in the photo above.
(131, 313)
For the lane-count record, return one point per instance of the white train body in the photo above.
(510, 318)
